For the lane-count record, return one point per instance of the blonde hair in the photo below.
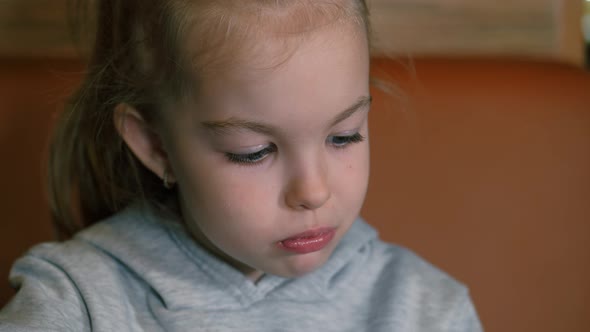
(140, 58)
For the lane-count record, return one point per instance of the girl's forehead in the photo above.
(261, 34)
(324, 75)
(325, 52)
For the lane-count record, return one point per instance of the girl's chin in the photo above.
(300, 265)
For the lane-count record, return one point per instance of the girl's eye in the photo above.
(251, 158)
(343, 141)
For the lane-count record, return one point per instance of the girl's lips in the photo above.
(309, 241)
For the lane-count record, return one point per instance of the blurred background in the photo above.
(481, 162)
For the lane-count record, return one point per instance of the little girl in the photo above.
(209, 174)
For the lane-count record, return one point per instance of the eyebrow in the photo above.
(234, 124)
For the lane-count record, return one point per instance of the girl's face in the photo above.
(272, 165)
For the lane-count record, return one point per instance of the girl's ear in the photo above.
(143, 141)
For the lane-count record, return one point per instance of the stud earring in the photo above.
(166, 179)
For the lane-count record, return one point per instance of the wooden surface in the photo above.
(526, 28)
(34, 28)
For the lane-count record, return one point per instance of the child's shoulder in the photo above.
(397, 264)
(407, 288)
(98, 272)
(405, 264)
(120, 230)
(123, 240)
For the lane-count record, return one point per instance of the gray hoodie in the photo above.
(139, 272)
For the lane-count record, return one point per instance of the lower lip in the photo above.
(309, 241)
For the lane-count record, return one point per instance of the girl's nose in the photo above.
(308, 190)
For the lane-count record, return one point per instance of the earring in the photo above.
(167, 183)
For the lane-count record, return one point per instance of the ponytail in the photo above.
(91, 172)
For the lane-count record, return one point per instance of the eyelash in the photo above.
(251, 158)
(259, 156)
(347, 140)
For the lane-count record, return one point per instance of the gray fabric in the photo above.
(137, 272)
